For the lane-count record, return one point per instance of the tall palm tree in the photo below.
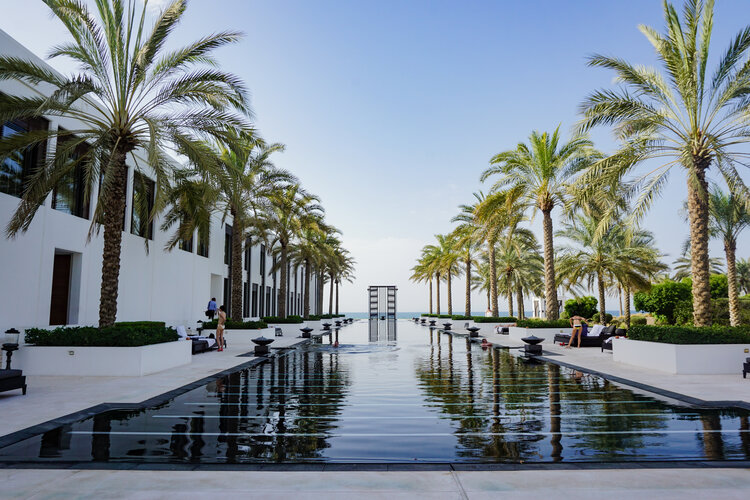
(132, 94)
(449, 263)
(680, 119)
(433, 265)
(466, 246)
(345, 272)
(728, 217)
(291, 210)
(541, 169)
(306, 251)
(422, 273)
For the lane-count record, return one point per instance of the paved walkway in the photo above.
(661, 484)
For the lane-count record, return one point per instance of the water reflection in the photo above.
(382, 330)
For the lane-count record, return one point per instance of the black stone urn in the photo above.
(306, 332)
(533, 345)
(473, 331)
(447, 326)
(261, 345)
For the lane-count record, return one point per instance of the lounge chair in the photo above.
(12, 379)
(594, 338)
(278, 332)
(200, 344)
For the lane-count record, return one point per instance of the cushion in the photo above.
(181, 331)
(10, 373)
(596, 330)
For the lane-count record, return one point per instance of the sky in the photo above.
(391, 110)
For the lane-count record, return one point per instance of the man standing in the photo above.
(211, 309)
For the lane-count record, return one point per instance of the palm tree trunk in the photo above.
(510, 298)
(493, 281)
(437, 282)
(430, 281)
(330, 295)
(450, 294)
(467, 298)
(699, 266)
(619, 297)
(308, 270)
(550, 283)
(284, 277)
(602, 309)
(489, 304)
(321, 286)
(627, 306)
(730, 248)
(519, 302)
(235, 308)
(113, 222)
(337, 297)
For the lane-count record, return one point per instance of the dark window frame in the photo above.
(30, 159)
(137, 226)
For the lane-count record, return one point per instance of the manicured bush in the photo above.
(111, 336)
(637, 320)
(289, 319)
(691, 334)
(129, 324)
(495, 319)
(543, 323)
(581, 306)
(596, 318)
(236, 325)
(460, 317)
(664, 298)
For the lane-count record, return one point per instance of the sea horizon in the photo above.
(411, 314)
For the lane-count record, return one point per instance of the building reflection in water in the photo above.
(381, 330)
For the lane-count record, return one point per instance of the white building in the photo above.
(51, 275)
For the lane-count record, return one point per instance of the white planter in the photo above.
(102, 361)
(548, 334)
(288, 329)
(487, 328)
(681, 359)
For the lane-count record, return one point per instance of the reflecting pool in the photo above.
(399, 392)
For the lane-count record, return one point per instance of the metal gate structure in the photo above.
(382, 301)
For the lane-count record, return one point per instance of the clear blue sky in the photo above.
(390, 110)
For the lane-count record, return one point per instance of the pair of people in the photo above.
(577, 323)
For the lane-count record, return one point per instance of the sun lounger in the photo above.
(200, 344)
(595, 338)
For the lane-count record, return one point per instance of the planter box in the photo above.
(289, 329)
(488, 328)
(548, 334)
(681, 359)
(102, 361)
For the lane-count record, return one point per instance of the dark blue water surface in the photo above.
(400, 393)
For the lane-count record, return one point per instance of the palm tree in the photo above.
(345, 272)
(422, 273)
(678, 118)
(290, 212)
(522, 268)
(306, 251)
(541, 170)
(433, 266)
(683, 265)
(728, 217)
(466, 246)
(448, 263)
(743, 275)
(131, 95)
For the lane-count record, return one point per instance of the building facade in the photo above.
(51, 274)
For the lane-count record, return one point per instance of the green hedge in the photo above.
(289, 319)
(138, 324)
(318, 317)
(495, 319)
(128, 335)
(691, 334)
(461, 317)
(236, 325)
(543, 323)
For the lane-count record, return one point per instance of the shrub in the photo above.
(289, 319)
(129, 335)
(596, 318)
(691, 334)
(664, 298)
(138, 324)
(495, 319)
(236, 325)
(543, 323)
(581, 306)
(460, 317)
(637, 320)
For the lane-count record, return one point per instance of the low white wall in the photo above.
(547, 334)
(102, 361)
(681, 359)
(290, 329)
(487, 328)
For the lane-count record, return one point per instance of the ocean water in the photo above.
(412, 314)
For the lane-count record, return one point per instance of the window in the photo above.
(143, 204)
(187, 245)
(202, 244)
(245, 299)
(18, 167)
(227, 297)
(248, 250)
(70, 194)
(255, 300)
(228, 245)
(263, 261)
(268, 301)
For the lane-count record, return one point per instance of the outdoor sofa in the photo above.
(12, 379)
(200, 344)
(595, 338)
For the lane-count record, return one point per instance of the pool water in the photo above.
(399, 392)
